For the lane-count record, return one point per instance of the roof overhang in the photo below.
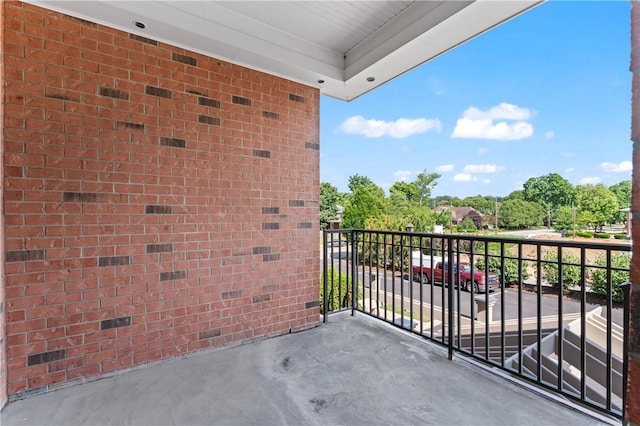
(345, 48)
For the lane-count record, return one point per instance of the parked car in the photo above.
(336, 243)
(462, 276)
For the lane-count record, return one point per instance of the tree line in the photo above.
(547, 200)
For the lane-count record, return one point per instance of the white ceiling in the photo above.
(337, 46)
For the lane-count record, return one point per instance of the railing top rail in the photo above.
(595, 245)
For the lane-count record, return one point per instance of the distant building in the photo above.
(336, 223)
(458, 214)
(628, 220)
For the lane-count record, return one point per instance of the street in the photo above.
(510, 302)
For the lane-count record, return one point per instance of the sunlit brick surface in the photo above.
(135, 192)
(633, 396)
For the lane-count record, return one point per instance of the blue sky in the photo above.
(547, 92)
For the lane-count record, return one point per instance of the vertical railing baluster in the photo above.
(393, 278)
(503, 343)
(325, 279)
(410, 279)
(609, 327)
(486, 296)
(560, 337)
(539, 311)
(354, 271)
(458, 313)
(377, 283)
(583, 325)
(384, 285)
(450, 301)
(520, 284)
(626, 303)
(431, 291)
(402, 250)
(369, 252)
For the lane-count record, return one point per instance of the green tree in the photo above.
(596, 205)
(339, 290)
(570, 269)
(403, 193)
(422, 218)
(468, 225)
(513, 270)
(564, 219)
(551, 191)
(618, 276)
(358, 181)
(485, 205)
(424, 183)
(515, 195)
(445, 200)
(622, 191)
(328, 203)
(518, 214)
(366, 202)
(443, 218)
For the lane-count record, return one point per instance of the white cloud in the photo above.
(550, 134)
(589, 180)
(481, 168)
(502, 111)
(464, 177)
(470, 171)
(401, 128)
(569, 170)
(402, 175)
(479, 124)
(445, 168)
(623, 166)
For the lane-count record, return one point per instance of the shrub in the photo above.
(468, 225)
(620, 236)
(603, 235)
(584, 234)
(570, 269)
(599, 275)
(339, 288)
(510, 268)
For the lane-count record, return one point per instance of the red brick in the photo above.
(77, 146)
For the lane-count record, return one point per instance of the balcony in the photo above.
(352, 370)
(554, 317)
(392, 352)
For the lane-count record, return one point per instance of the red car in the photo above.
(462, 276)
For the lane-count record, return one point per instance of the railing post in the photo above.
(626, 289)
(354, 272)
(409, 229)
(451, 294)
(325, 278)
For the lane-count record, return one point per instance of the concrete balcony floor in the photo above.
(349, 371)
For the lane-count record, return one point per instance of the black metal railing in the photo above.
(551, 311)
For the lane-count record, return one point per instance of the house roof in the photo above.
(345, 48)
(458, 213)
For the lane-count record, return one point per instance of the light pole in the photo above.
(573, 210)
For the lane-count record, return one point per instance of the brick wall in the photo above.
(157, 201)
(633, 392)
(3, 347)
